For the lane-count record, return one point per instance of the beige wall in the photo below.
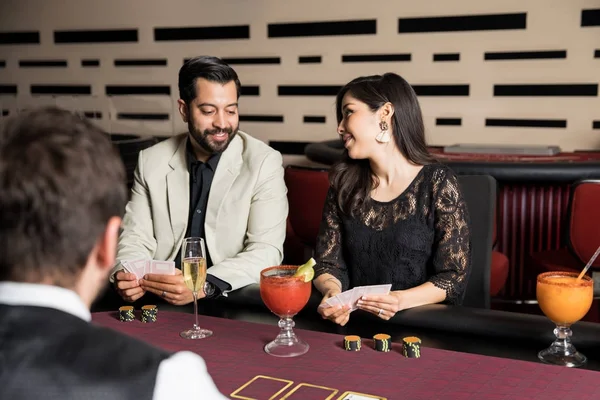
(551, 25)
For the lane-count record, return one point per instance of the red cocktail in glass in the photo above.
(285, 295)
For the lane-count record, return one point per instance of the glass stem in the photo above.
(196, 326)
(563, 339)
(286, 335)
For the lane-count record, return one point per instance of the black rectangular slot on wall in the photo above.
(250, 90)
(323, 28)
(150, 62)
(42, 63)
(289, 148)
(446, 57)
(202, 33)
(308, 90)
(61, 89)
(309, 60)
(448, 121)
(459, 23)
(8, 89)
(90, 63)
(347, 58)
(117, 90)
(525, 55)
(441, 90)
(252, 60)
(590, 17)
(546, 90)
(314, 119)
(144, 116)
(96, 36)
(526, 123)
(596, 124)
(261, 118)
(20, 37)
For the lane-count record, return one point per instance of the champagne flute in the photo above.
(193, 266)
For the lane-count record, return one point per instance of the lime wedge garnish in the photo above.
(306, 270)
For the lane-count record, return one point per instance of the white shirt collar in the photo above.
(39, 295)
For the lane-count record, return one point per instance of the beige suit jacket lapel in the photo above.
(227, 170)
(178, 194)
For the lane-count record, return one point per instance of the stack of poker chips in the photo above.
(352, 343)
(126, 314)
(411, 347)
(149, 313)
(382, 342)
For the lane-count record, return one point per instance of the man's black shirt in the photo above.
(201, 177)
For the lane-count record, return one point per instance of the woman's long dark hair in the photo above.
(353, 179)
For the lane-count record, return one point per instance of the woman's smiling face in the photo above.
(358, 128)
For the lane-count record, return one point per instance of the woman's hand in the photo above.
(384, 306)
(338, 314)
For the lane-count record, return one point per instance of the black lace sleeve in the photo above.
(328, 250)
(452, 247)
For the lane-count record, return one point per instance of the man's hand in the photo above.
(128, 287)
(170, 287)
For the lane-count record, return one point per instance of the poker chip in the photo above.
(352, 343)
(411, 347)
(126, 314)
(382, 342)
(149, 313)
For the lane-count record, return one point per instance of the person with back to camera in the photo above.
(62, 197)
(393, 215)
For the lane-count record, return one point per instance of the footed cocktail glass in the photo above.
(564, 300)
(285, 295)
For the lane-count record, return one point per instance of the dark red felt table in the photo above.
(234, 355)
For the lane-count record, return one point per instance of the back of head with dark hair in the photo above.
(212, 69)
(61, 180)
(353, 179)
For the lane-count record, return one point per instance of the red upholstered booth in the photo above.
(582, 236)
(307, 190)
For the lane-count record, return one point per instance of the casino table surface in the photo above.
(234, 356)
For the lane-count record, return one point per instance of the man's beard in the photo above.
(212, 147)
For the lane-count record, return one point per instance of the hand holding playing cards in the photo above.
(340, 314)
(170, 287)
(384, 306)
(128, 287)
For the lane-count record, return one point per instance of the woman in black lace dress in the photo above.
(392, 214)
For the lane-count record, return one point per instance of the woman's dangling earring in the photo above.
(384, 135)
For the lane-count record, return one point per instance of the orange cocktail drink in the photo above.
(282, 292)
(564, 299)
(285, 295)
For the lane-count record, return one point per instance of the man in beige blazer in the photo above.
(243, 209)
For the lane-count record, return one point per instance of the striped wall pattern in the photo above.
(495, 72)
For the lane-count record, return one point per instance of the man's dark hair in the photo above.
(212, 69)
(61, 180)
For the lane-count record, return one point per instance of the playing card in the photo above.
(139, 267)
(334, 301)
(346, 297)
(162, 267)
(359, 291)
(377, 289)
(127, 266)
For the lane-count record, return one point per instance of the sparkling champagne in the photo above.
(194, 273)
